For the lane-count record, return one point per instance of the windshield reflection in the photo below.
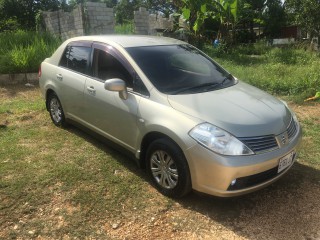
(180, 69)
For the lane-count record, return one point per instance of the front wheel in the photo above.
(168, 168)
(56, 111)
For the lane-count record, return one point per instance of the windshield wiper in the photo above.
(187, 89)
(229, 77)
(207, 86)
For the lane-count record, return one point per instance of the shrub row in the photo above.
(283, 71)
(23, 51)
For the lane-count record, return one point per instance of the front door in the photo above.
(106, 112)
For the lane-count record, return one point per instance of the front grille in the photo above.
(268, 143)
(250, 181)
(260, 144)
(292, 129)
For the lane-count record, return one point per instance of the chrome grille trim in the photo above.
(269, 143)
(260, 144)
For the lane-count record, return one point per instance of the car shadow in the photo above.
(287, 209)
(117, 152)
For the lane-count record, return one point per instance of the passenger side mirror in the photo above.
(117, 85)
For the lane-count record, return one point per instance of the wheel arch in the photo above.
(49, 91)
(148, 139)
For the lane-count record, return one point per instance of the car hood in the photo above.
(242, 110)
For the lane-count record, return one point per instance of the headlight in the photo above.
(218, 140)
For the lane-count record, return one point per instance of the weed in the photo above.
(126, 28)
(22, 52)
(282, 71)
(61, 183)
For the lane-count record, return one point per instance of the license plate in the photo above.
(286, 161)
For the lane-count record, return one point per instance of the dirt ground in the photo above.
(288, 209)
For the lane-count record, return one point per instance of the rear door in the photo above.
(72, 72)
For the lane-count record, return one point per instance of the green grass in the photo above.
(127, 28)
(62, 182)
(22, 51)
(58, 183)
(310, 149)
(281, 71)
(42, 166)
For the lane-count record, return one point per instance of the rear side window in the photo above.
(76, 58)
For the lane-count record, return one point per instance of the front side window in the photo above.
(106, 66)
(180, 69)
(76, 58)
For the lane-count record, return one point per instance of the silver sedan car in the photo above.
(183, 117)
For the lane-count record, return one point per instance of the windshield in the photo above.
(180, 69)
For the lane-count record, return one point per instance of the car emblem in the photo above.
(283, 139)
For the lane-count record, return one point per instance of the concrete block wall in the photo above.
(95, 18)
(158, 22)
(100, 19)
(52, 22)
(152, 24)
(18, 78)
(141, 21)
(64, 24)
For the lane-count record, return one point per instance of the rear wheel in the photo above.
(56, 111)
(168, 168)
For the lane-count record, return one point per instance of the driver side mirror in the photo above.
(117, 85)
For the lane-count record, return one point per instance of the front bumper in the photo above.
(213, 174)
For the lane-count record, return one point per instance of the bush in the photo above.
(8, 25)
(216, 51)
(290, 55)
(283, 71)
(22, 52)
(126, 28)
(258, 48)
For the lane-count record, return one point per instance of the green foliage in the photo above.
(9, 24)
(216, 52)
(198, 12)
(125, 9)
(164, 7)
(126, 28)
(24, 11)
(258, 48)
(24, 51)
(283, 71)
(306, 14)
(274, 18)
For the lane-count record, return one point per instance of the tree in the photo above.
(274, 18)
(250, 15)
(161, 6)
(305, 13)
(24, 11)
(197, 11)
(125, 9)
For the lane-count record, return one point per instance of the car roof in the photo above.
(130, 40)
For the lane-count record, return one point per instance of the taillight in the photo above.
(39, 72)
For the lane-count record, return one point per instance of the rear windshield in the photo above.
(180, 69)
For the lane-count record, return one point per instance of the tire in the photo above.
(168, 168)
(56, 111)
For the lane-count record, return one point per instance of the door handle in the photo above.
(91, 89)
(59, 77)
